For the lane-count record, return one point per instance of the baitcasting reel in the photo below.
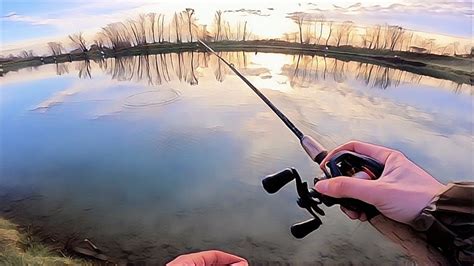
(342, 163)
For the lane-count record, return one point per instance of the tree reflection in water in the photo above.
(61, 69)
(303, 70)
(308, 69)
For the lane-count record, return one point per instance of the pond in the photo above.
(158, 155)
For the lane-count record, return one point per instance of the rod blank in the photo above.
(283, 117)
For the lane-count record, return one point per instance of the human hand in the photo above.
(401, 193)
(209, 257)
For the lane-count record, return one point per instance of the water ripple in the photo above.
(152, 98)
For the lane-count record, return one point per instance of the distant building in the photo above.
(76, 51)
(94, 48)
(416, 49)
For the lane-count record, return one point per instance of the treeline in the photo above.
(183, 26)
(320, 31)
(154, 28)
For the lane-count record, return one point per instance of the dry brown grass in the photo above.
(19, 249)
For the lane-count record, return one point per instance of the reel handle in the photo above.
(302, 229)
(273, 183)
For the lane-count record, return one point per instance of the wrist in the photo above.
(446, 221)
(436, 191)
(424, 219)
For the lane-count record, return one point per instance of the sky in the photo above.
(30, 23)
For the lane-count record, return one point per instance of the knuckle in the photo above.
(398, 154)
(352, 142)
(346, 145)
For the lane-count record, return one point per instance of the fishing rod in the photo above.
(313, 148)
(283, 117)
(345, 163)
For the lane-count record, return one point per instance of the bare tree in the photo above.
(349, 27)
(218, 26)
(455, 47)
(169, 33)
(308, 32)
(177, 27)
(79, 41)
(108, 33)
(237, 34)
(393, 36)
(141, 25)
(117, 35)
(338, 34)
(26, 54)
(244, 37)
(365, 38)
(376, 37)
(153, 23)
(330, 32)
(99, 40)
(343, 31)
(189, 17)
(136, 30)
(133, 30)
(227, 31)
(298, 18)
(321, 21)
(56, 48)
(161, 31)
(156, 27)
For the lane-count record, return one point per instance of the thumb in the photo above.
(349, 187)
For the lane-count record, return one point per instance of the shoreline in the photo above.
(456, 69)
(20, 247)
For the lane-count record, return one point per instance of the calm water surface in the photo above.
(155, 156)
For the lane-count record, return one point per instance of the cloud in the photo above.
(449, 18)
(32, 20)
(451, 7)
(9, 15)
(256, 12)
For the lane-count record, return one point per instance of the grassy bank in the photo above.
(19, 248)
(456, 69)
